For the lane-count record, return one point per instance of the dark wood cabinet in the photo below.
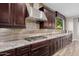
(19, 51)
(40, 49)
(51, 19)
(51, 16)
(58, 43)
(8, 53)
(23, 51)
(18, 13)
(51, 47)
(65, 40)
(50, 23)
(54, 45)
(60, 15)
(13, 15)
(4, 14)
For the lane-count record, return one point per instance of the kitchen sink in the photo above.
(35, 38)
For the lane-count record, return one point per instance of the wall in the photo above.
(69, 25)
(76, 28)
(72, 24)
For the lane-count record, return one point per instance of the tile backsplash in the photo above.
(7, 34)
(10, 34)
(15, 34)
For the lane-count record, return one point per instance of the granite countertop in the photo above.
(18, 43)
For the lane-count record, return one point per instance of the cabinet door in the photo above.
(51, 47)
(56, 45)
(23, 51)
(59, 43)
(18, 12)
(8, 53)
(40, 49)
(51, 19)
(65, 42)
(4, 14)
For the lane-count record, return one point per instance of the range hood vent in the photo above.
(35, 14)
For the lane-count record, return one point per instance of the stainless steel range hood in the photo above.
(35, 14)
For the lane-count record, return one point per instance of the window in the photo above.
(59, 23)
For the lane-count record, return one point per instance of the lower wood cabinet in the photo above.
(20, 51)
(64, 41)
(55, 45)
(40, 49)
(23, 51)
(51, 47)
(8, 53)
(58, 43)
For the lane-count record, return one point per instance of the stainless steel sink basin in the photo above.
(35, 38)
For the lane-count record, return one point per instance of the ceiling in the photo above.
(67, 9)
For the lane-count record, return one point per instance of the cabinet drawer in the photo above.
(39, 44)
(42, 51)
(55, 45)
(8, 53)
(59, 43)
(23, 50)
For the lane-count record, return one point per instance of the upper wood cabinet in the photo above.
(60, 15)
(18, 13)
(4, 14)
(50, 23)
(13, 15)
(51, 18)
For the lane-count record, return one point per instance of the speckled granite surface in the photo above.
(6, 45)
